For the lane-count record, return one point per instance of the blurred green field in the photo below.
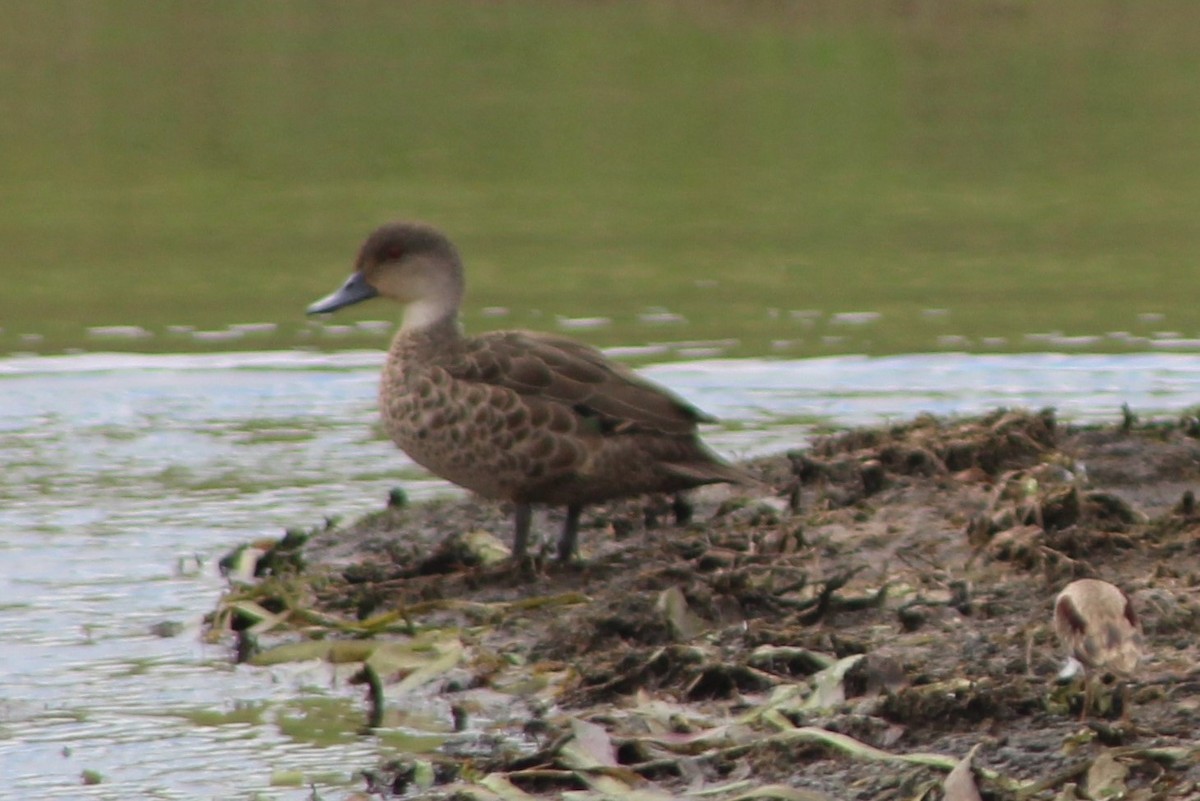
(1026, 167)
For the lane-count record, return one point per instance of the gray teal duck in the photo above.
(518, 416)
(1097, 625)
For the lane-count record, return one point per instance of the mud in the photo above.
(933, 549)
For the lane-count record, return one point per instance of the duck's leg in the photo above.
(1087, 696)
(521, 520)
(570, 533)
(682, 508)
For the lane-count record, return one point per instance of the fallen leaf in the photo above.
(1106, 776)
(293, 652)
(426, 661)
(1067, 793)
(683, 622)
(782, 792)
(590, 747)
(503, 788)
(960, 782)
(828, 685)
(486, 547)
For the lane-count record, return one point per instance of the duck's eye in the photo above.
(393, 253)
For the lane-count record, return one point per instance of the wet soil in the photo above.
(931, 551)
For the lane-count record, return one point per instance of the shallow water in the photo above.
(127, 476)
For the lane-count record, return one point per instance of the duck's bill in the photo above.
(355, 290)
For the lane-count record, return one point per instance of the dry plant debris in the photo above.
(875, 624)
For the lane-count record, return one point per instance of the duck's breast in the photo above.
(485, 438)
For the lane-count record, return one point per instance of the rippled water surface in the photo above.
(126, 476)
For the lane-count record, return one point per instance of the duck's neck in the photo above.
(435, 287)
(431, 332)
(428, 316)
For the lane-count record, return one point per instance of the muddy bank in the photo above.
(851, 629)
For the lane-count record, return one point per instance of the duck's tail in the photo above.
(714, 472)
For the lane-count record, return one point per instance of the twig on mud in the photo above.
(855, 748)
(540, 602)
(543, 756)
(547, 775)
(852, 747)
(810, 661)
(909, 556)
(818, 736)
(404, 615)
(795, 586)
(1054, 780)
(737, 674)
(825, 601)
(653, 768)
(375, 698)
(1166, 755)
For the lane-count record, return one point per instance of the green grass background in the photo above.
(1026, 166)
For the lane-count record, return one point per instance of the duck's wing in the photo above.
(567, 372)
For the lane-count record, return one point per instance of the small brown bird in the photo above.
(515, 415)
(1096, 623)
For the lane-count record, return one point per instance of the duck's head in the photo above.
(1097, 623)
(411, 263)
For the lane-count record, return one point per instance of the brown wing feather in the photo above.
(576, 375)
